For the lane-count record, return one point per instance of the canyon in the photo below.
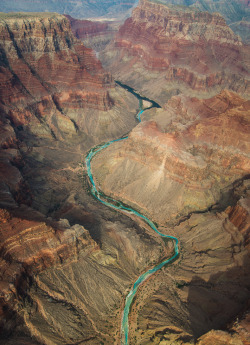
(67, 261)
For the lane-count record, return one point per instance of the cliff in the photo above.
(175, 49)
(46, 72)
(67, 262)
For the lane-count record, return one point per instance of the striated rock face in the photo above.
(177, 49)
(52, 83)
(181, 161)
(233, 11)
(56, 102)
(66, 261)
(236, 13)
(46, 74)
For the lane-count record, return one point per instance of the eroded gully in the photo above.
(118, 205)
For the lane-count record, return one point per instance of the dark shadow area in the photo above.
(137, 95)
(217, 302)
(19, 340)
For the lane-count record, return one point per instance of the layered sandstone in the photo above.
(183, 160)
(163, 50)
(65, 281)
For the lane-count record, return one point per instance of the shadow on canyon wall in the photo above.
(213, 304)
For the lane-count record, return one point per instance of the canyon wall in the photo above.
(164, 50)
(236, 13)
(50, 81)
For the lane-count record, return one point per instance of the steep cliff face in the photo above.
(66, 261)
(49, 76)
(29, 244)
(231, 10)
(182, 160)
(177, 49)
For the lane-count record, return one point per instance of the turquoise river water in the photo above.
(118, 205)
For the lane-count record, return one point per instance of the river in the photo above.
(118, 205)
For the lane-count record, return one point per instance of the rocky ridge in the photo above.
(208, 288)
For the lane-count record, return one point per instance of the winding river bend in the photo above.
(118, 205)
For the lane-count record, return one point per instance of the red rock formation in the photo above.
(178, 45)
(46, 72)
(55, 102)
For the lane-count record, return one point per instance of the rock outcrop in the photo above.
(163, 50)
